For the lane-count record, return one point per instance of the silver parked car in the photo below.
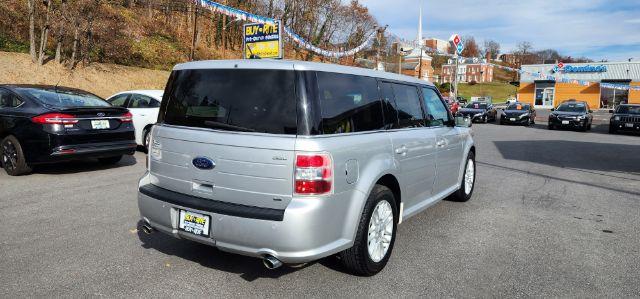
(294, 161)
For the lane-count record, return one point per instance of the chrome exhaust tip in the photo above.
(271, 263)
(147, 229)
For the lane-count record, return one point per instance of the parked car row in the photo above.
(41, 124)
(570, 114)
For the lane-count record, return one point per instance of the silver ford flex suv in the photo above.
(294, 161)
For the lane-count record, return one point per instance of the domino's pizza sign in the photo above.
(561, 67)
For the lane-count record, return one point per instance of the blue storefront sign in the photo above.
(580, 69)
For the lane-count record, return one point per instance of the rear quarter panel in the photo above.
(371, 155)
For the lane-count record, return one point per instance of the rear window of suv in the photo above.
(262, 101)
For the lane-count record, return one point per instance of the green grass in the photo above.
(9, 45)
(498, 91)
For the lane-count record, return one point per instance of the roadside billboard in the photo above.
(263, 41)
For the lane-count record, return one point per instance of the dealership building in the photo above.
(550, 88)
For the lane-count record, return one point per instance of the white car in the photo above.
(144, 105)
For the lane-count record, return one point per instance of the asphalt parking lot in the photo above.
(555, 213)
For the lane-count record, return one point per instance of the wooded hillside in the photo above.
(160, 33)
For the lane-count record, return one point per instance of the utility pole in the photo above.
(455, 89)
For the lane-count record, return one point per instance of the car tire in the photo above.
(110, 160)
(145, 139)
(466, 191)
(550, 127)
(501, 122)
(358, 259)
(612, 129)
(14, 163)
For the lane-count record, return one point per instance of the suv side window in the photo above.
(140, 101)
(8, 99)
(349, 103)
(407, 103)
(437, 113)
(119, 100)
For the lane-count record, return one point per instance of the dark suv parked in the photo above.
(571, 114)
(625, 118)
(44, 124)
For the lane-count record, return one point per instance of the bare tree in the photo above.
(492, 47)
(44, 32)
(524, 47)
(32, 29)
(471, 48)
(61, 22)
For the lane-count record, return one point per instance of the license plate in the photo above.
(628, 125)
(512, 119)
(100, 124)
(194, 223)
(565, 122)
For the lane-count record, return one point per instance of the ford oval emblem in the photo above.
(203, 163)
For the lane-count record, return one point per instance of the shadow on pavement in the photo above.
(610, 157)
(83, 165)
(249, 268)
(566, 180)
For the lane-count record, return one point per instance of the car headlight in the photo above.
(580, 117)
(478, 114)
(616, 117)
(524, 115)
(552, 115)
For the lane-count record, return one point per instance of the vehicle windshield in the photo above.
(261, 101)
(477, 105)
(628, 110)
(523, 107)
(64, 98)
(572, 107)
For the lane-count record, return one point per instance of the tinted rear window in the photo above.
(261, 101)
(349, 103)
(64, 98)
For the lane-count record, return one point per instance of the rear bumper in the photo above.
(517, 120)
(624, 126)
(89, 150)
(308, 229)
(573, 123)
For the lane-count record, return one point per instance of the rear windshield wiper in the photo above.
(219, 125)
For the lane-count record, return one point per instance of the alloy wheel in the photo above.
(380, 231)
(469, 175)
(9, 155)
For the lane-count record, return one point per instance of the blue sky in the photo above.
(598, 29)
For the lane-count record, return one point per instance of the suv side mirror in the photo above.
(590, 111)
(610, 110)
(462, 121)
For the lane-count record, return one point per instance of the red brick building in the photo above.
(469, 70)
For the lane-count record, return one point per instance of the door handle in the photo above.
(402, 150)
(441, 143)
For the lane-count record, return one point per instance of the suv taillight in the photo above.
(54, 119)
(314, 174)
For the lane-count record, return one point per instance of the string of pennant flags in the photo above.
(301, 42)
